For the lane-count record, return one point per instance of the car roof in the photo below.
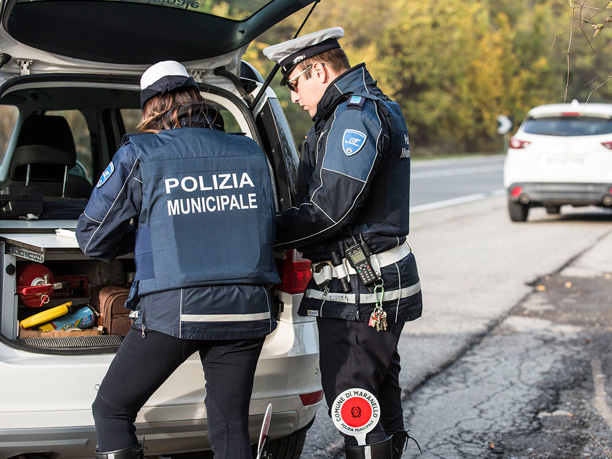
(133, 34)
(575, 108)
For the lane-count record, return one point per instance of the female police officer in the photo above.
(202, 263)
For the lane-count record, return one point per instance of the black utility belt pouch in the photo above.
(19, 201)
(322, 273)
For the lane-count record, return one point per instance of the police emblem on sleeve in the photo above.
(106, 174)
(353, 141)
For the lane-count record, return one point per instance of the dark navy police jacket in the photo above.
(354, 172)
(204, 204)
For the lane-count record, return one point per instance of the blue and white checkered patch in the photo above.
(352, 141)
(106, 174)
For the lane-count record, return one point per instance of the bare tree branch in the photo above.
(599, 86)
(578, 20)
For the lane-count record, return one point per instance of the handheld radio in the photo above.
(358, 255)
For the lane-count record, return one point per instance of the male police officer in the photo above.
(351, 221)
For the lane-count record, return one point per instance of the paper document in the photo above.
(70, 234)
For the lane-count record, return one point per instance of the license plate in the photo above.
(566, 158)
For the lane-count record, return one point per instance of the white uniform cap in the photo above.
(290, 53)
(163, 77)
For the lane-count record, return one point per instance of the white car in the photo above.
(80, 63)
(561, 154)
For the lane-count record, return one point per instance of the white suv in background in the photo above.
(78, 64)
(561, 154)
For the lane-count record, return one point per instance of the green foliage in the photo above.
(454, 66)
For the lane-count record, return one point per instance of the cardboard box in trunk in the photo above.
(27, 333)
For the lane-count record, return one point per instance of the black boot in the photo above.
(398, 443)
(381, 450)
(134, 452)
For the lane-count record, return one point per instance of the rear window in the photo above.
(236, 10)
(568, 126)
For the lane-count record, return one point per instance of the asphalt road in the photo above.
(441, 183)
(536, 383)
(484, 371)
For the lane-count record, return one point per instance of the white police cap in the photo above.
(290, 53)
(163, 77)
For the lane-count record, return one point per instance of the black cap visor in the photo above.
(165, 85)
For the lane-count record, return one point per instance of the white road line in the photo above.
(455, 171)
(599, 401)
(456, 201)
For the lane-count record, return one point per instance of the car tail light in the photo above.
(608, 145)
(294, 272)
(518, 144)
(570, 114)
(311, 398)
(516, 191)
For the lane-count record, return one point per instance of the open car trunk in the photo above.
(118, 35)
(96, 112)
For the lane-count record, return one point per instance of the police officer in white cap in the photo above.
(351, 220)
(202, 268)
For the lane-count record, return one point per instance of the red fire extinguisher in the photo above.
(35, 284)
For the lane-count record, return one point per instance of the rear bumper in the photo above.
(556, 194)
(45, 404)
(160, 437)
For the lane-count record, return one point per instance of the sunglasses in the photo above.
(292, 83)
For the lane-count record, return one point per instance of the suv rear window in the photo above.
(236, 10)
(568, 126)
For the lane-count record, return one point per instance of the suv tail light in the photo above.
(518, 144)
(311, 398)
(294, 272)
(608, 145)
(516, 191)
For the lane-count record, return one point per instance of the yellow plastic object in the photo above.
(46, 316)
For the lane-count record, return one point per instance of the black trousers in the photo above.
(355, 355)
(143, 364)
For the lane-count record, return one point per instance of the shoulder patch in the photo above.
(106, 174)
(355, 103)
(353, 141)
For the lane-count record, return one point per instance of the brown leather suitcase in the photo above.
(109, 301)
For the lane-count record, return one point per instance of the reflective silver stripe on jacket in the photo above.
(323, 271)
(225, 317)
(364, 297)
